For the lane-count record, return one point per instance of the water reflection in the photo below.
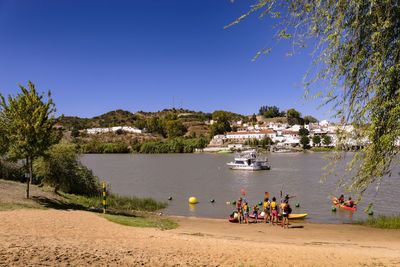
(192, 208)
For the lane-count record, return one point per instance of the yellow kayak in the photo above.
(297, 215)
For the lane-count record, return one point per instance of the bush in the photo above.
(177, 145)
(117, 203)
(11, 171)
(61, 169)
(99, 148)
(382, 221)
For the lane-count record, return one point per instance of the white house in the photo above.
(114, 129)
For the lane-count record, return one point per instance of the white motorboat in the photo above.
(249, 161)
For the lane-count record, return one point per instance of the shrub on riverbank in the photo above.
(100, 148)
(177, 145)
(11, 197)
(11, 171)
(173, 145)
(383, 221)
(116, 203)
(322, 149)
(61, 169)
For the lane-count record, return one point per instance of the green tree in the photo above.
(140, 123)
(175, 128)
(74, 132)
(222, 115)
(28, 120)
(309, 119)
(327, 140)
(303, 132)
(305, 142)
(155, 125)
(253, 119)
(356, 55)
(266, 141)
(202, 143)
(270, 112)
(316, 140)
(219, 128)
(60, 168)
(3, 137)
(294, 117)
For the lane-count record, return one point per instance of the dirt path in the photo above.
(54, 238)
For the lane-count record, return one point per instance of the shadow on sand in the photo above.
(57, 204)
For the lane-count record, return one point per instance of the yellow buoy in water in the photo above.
(193, 200)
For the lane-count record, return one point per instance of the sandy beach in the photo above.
(58, 238)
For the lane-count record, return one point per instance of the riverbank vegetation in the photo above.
(154, 222)
(115, 203)
(30, 144)
(135, 145)
(177, 145)
(383, 221)
(132, 211)
(322, 149)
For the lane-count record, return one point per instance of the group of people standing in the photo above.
(272, 212)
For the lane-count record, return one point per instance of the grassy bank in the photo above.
(137, 211)
(322, 149)
(116, 203)
(155, 222)
(382, 221)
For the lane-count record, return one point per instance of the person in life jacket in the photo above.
(239, 209)
(350, 203)
(341, 199)
(255, 213)
(274, 211)
(246, 210)
(267, 210)
(286, 210)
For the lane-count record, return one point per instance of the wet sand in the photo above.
(59, 238)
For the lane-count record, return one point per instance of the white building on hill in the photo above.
(127, 129)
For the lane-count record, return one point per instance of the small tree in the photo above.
(28, 122)
(201, 143)
(309, 119)
(175, 128)
(119, 132)
(219, 127)
(303, 132)
(269, 111)
(74, 132)
(266, 141)
(316, 140)
(60, 168)
(253, 119)
(305, 142)
(327, 140)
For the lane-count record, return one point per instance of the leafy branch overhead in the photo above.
(356, 55)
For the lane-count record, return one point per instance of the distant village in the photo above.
(283, 135)
(220, 131)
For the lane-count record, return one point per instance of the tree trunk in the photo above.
(28, 181)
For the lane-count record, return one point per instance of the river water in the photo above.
(207, 177)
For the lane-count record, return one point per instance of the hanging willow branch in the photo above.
(357, 59)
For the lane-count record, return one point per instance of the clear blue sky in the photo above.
(96, 56)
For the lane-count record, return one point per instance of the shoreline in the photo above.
(54, 237)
